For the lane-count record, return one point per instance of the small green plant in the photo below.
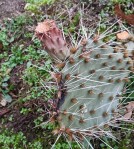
(25, 111)
(8, 140)
(35, 5)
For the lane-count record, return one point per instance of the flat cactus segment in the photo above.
(93, 86)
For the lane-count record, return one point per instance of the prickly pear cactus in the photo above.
(91, 80)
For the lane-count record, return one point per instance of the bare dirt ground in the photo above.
(9, 8)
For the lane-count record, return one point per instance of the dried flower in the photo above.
(52, 40)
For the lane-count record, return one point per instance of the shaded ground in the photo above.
(11, 8)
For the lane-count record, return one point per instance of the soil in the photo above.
(16, 80)
(11, 8)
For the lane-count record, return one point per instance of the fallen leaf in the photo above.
(123, 36)
(130, 106)
(120, 14)
(3, 102)
(129, 110)
(128, 115)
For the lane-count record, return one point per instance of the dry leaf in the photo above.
(130, 106)
(129, 110)
(123, 36)
(120, 14)
(3, 102)
(128, 115)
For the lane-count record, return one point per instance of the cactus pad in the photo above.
(94, 79)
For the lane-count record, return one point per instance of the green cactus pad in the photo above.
(93, 85)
